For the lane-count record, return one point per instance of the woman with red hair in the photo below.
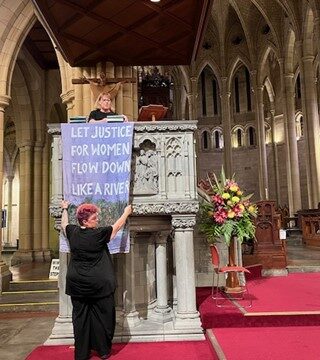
(90, 280)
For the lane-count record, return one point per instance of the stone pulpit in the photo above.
(155, 298)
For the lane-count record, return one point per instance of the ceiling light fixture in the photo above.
(155, 0)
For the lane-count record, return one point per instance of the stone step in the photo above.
(30, 300)
(33, 285)
(303, 268)
(295, 241)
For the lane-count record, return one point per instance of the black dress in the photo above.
(91, 284)
(99, 115)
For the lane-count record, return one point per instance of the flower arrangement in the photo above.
(225, 210)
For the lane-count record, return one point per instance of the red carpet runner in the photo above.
(186, 350)
(283, 323)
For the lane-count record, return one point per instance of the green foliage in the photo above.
(225, 211)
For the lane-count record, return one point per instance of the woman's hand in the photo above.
(128, 210)
(65, 204)
(125, 119)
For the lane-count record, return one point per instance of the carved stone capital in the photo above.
(4, 101)
(184, 222)
(54, 129)
(191, 207)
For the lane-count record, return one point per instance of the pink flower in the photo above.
(220, 216)
(217, 199)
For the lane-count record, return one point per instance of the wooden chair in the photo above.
(220, 293)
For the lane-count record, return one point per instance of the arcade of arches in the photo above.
(254, 89)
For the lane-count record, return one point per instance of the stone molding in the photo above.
(166, 208)
(165, 126)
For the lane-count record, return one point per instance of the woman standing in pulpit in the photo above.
(90, 280)
(104, 109)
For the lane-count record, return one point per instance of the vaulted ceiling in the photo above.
(126, 32)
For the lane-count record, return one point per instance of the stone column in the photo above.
(292, 142)
(226, 125)
(5, 274)
(186, 315)
(287, 148)
(260, 121)
(275, 156)
(45, 202)
(162, 311)
(37, 204)
(25, 251)
(9, 208)
(263, 171)
(131, 315)
(312, 131)
(192, 98)
(62, 332)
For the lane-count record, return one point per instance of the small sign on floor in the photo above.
(54, 269)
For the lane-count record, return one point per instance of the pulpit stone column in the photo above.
(5, 274)
(162, 312)
(186, 315)
(62, 332)
(130, 314)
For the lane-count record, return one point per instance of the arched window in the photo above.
(252, 141)
(218, 139)
(204, 93)
(237, 94)
(205, 140)
(239, 138)
(299, 127)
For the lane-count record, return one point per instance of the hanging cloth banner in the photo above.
(96, 169)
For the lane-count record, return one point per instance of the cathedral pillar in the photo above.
(292, 142)
(275, 155)
(226, 125)
(186, 314)
(45, 202)
(286, 133)
(192, 98)
(25, 251)
(311, 128)
(162, 311)
(37, 203)
(263, 166)
(9, 209)
(5, 274)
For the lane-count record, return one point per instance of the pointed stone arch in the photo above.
(213, 66)
(235, 65)
(269, 88)
(263, 59)
(289, 51)
(307, 31)
(12, 44)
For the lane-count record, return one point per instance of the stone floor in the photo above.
(20, 333)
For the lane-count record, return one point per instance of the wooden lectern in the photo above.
(152, 112)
